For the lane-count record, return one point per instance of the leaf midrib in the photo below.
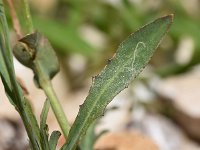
(101, 93)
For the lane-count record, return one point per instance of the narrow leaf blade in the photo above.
(89, 139)
(54, 139)
(131, 57)
(44, 114)
(14, 92)
(43, 125)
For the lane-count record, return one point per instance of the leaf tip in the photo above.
(169, 17)
(167, 20)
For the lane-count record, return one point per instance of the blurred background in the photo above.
(162, 104)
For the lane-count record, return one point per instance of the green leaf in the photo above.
(31, 122)
(43, 126)
(13, 90)
(54, 139)
(44, 114)
(3, 68)
(89, 139)
(131, 57)
(5, 78)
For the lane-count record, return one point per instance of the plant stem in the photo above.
(27, 15)
(57, 109)
(46, 85)
(45, 82)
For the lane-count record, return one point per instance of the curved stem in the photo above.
(46, 85)
(27, 15)
(57, 109)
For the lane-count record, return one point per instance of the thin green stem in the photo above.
(55, 104)
(45, 83)
(27, 14)
(57, 109)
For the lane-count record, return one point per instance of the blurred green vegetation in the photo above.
(63, 20)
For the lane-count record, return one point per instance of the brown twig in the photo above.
(15, 21)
